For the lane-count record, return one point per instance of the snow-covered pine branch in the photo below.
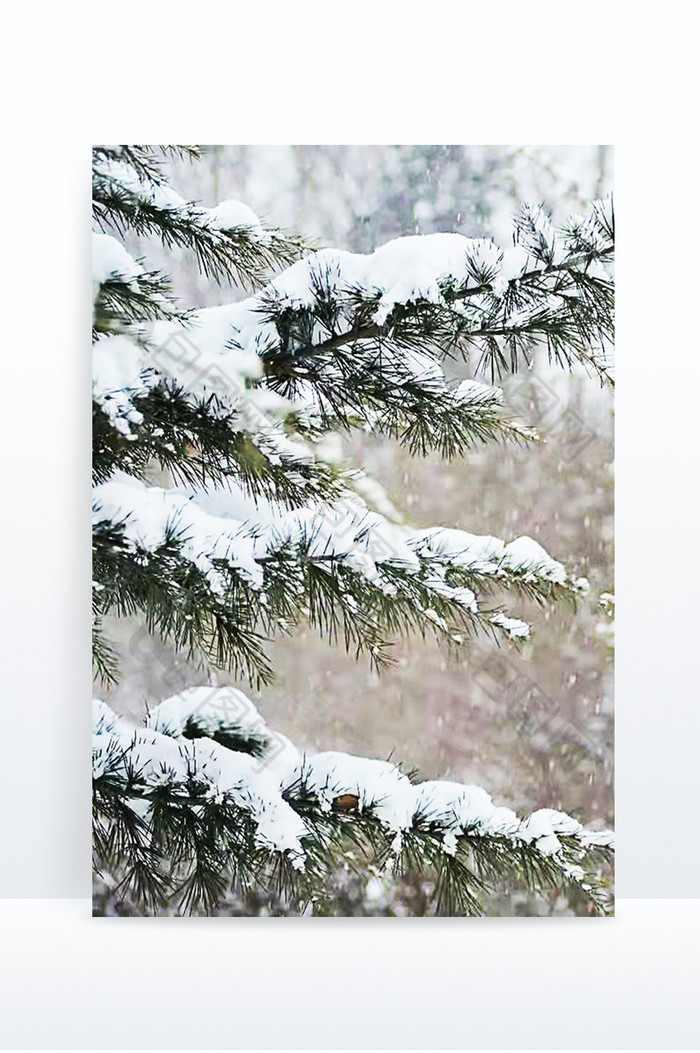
(226, 361)
(219, 573)
(341, 316)
(131, 193)
(206, 799)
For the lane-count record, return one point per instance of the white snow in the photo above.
(543, 826)
(475, 391)
(480, 553)
(210, 709)
(203, 357)
(234, 215)
(111, 260)
(418, 266)
(515, 263)
(103, 718)
(455, 807)
(117, 375)
(149, 512)
(254, 789)
(401, 271)
(217, 709)
(526, 556)
(514, 628)
(347, 530)
(334, 269)
(198, 359)
(599, 838)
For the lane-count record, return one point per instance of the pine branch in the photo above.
(393, 401)
(178, 603)
(220, 588)
(124, 302)
(362, 333)
(236, 255)
(203, 445)
(144, 160)
(166, 821)
(480, 306)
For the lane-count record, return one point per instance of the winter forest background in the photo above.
(535, 725)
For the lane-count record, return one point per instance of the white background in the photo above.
(73, 982)
(372, 73)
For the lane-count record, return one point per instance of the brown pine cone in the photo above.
(347, 802)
